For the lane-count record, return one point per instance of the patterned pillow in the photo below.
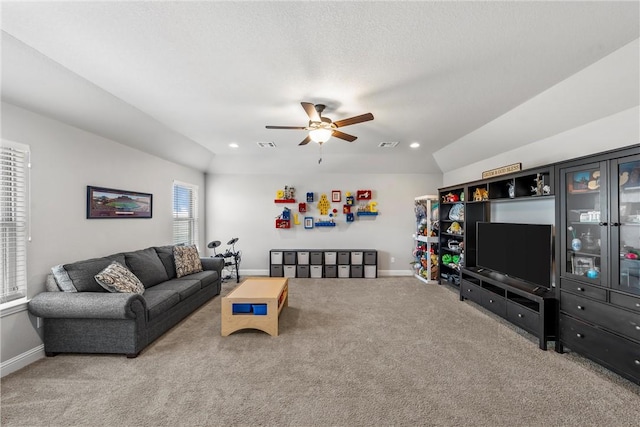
(187, 260)
(118, 278)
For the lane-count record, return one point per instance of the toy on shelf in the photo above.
(324, 205)
(450, 198)
(325, 223)
(302, 207)
(480, 195)
(370, 209)
(363, 194)
(349, 198)
(284, 219)
(286, 196)
(350, 217)
(309, 197)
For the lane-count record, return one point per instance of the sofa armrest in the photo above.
(87, 305)
(215, 263)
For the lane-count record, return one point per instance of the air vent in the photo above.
(388, 144)
(266, 144)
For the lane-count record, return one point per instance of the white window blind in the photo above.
(14, 187)
(185, 213)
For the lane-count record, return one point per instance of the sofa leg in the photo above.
(132, 355)
(49, 353)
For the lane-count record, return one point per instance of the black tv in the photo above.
(520, 251)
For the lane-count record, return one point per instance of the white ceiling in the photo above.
(182, 80)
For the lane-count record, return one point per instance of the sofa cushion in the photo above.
(118, 278)
(159, 301)
(146, 265)
(184, 287)
(187, 260)
(62, 279)
(206, 278)
(165, 253)
(82, 274)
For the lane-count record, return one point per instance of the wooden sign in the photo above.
(502, 170)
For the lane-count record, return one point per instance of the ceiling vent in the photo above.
(266, 144)
(388, 144)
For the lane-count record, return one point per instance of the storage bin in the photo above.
(303, 257)
(302, 271)
(315, 257)
(370, 271)
(290, 257)
(330, 271)
(276, 271)
(330, 258)
(259, 309)
(316, 272)
(289, 271)
(356, 271)
(343, 271)
(356, 258)
(343, 258)
(240, 308)
(276, 257)
(370, 257)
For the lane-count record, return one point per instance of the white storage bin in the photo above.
(343, 271)
(330, 258)
(289, 271)
(356, 257)
(316, 272)
(276, 257)
(303, 257)
(370, 271)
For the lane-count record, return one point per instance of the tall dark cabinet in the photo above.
(597, 258)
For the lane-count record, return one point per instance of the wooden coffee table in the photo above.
(249, 299)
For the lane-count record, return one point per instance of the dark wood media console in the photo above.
(531, 308)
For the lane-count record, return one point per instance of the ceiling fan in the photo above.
(322, 128)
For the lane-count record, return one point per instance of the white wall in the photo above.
(615, 131)
(64, 161)
(243, 206)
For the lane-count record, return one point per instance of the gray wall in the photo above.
(243, 206)
(64, 161)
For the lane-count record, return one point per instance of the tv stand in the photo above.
(526, 305)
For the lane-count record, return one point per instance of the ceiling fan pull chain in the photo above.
(320, 159)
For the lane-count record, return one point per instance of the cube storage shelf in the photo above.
(317, 264)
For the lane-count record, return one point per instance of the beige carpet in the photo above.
(351, 352)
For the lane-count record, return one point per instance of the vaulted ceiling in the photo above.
(183, 80)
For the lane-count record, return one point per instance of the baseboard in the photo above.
(381, 273)
(22, 360)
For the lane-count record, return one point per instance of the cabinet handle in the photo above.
(615, 224)
(468, 290)
(637, 328)
(491, 301)
(637, 362)
(520, 315)
(638, 304)
(603, 224)
(579, 335)
(580, 307)
(580, 289)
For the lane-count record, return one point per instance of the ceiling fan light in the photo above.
(320, 135)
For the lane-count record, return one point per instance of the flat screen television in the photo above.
(520, 251)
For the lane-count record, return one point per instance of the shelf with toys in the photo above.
(425, 253)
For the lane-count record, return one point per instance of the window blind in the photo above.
(14, 185)
(185, 213)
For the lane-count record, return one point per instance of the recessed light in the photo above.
(234, 145)
(414, 145)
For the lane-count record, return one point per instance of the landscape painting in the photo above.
(111, 203)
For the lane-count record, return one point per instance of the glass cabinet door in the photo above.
(584, 225)
(625, 225)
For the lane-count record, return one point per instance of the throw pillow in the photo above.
(62, 279)
(187, 260)
(118, 278)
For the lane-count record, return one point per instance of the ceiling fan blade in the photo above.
(306, 140)
(354, 120)
(311, 111)
(345, 136)
(286, 127)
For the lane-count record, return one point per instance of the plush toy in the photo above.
(454, 228)
(450, 198)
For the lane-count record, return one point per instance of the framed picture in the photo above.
(308, 222)
(112, 203)
(581, 265)
(336, 196)
(580, 181)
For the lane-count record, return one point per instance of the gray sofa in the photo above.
(80, 316)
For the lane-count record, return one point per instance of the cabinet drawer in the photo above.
(470, 291)
(370, 257)
(626, 301)
(370, 271)
(613, 351)
(591, 291)
(611, 317)
(302, 270)
(356, 257)
(303, 257)
(343, 258)
(343, 271)
(494, 303)
(289, 257)
(526, 318)
(290, 271)
(316, 271)
(315, 258)
(330, 271)
(330, 258)
(357, 271)
(276, 271)
(276, 257)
